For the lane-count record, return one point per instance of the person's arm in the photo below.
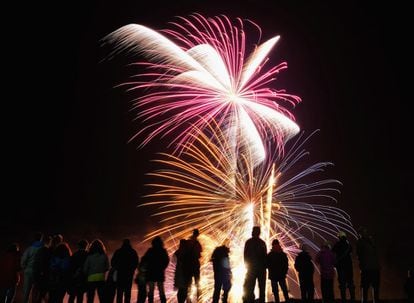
(106, 265)
(246, 253)
(23, 261)
(136, 260)
(285, 264)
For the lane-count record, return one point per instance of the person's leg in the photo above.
(283, 286)
(127, 290)
(151, 286)
(248, 286)
(376, 284)
(324, 290)
(275, 290)
(197, 283)
(217, 289)
(142, 292)
(342, 283)
(350, 284)
(182, 294)
(10, 295)
(310, 289)
(303, 289)
(101, 291)
(91, 292)
(331, 295)
(261, 279)
(27, 285)
(119, 293)
(226, 289)
(161, 291)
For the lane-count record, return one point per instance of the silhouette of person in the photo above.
(326, 260)
(343, 253)
(95, 267)
(255, 253)
(305, 268)
(222, 272)
(196, 250)
(141, 280)
(368, 264)
(183, 270)
(278, 265)
(28, 265)
(157, 260)
(41, 271)
(10, 276)
(77, 287)
(59, 272)
(125, 262)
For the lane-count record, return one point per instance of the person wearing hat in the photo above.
(343, 252)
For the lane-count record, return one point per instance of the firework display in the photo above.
(233, 163)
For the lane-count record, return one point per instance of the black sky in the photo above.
(66, 127)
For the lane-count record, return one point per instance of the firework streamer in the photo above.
(195, 191)
(202, 84)
(198, 71)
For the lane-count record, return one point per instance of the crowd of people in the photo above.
(50, 271)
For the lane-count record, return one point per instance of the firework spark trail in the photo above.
(199, 71)
(200, 83)
(195, 191)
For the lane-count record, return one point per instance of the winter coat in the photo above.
(367, 254)
(125, 261)
(29, 255)
(278, 264)
(95, 267)
(221, 263)
(157, 260)
(343, 252)
(255, 253)
(326, 260)
(304, 265)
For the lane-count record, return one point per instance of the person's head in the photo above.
(63, 250)
(97, 246)
(182, 243)
(57, 239)
(126, 243)
(83, 244)
(38, 236)
(341, 235)
(326, 245)
(196, 232)
(256, 231)
(157, 242)
(304, 247)
(363, 232)
(275, 243)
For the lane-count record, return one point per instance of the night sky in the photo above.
(69, 166)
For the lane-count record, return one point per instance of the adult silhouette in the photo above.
(255, 261)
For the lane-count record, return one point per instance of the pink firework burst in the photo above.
(199, 71)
